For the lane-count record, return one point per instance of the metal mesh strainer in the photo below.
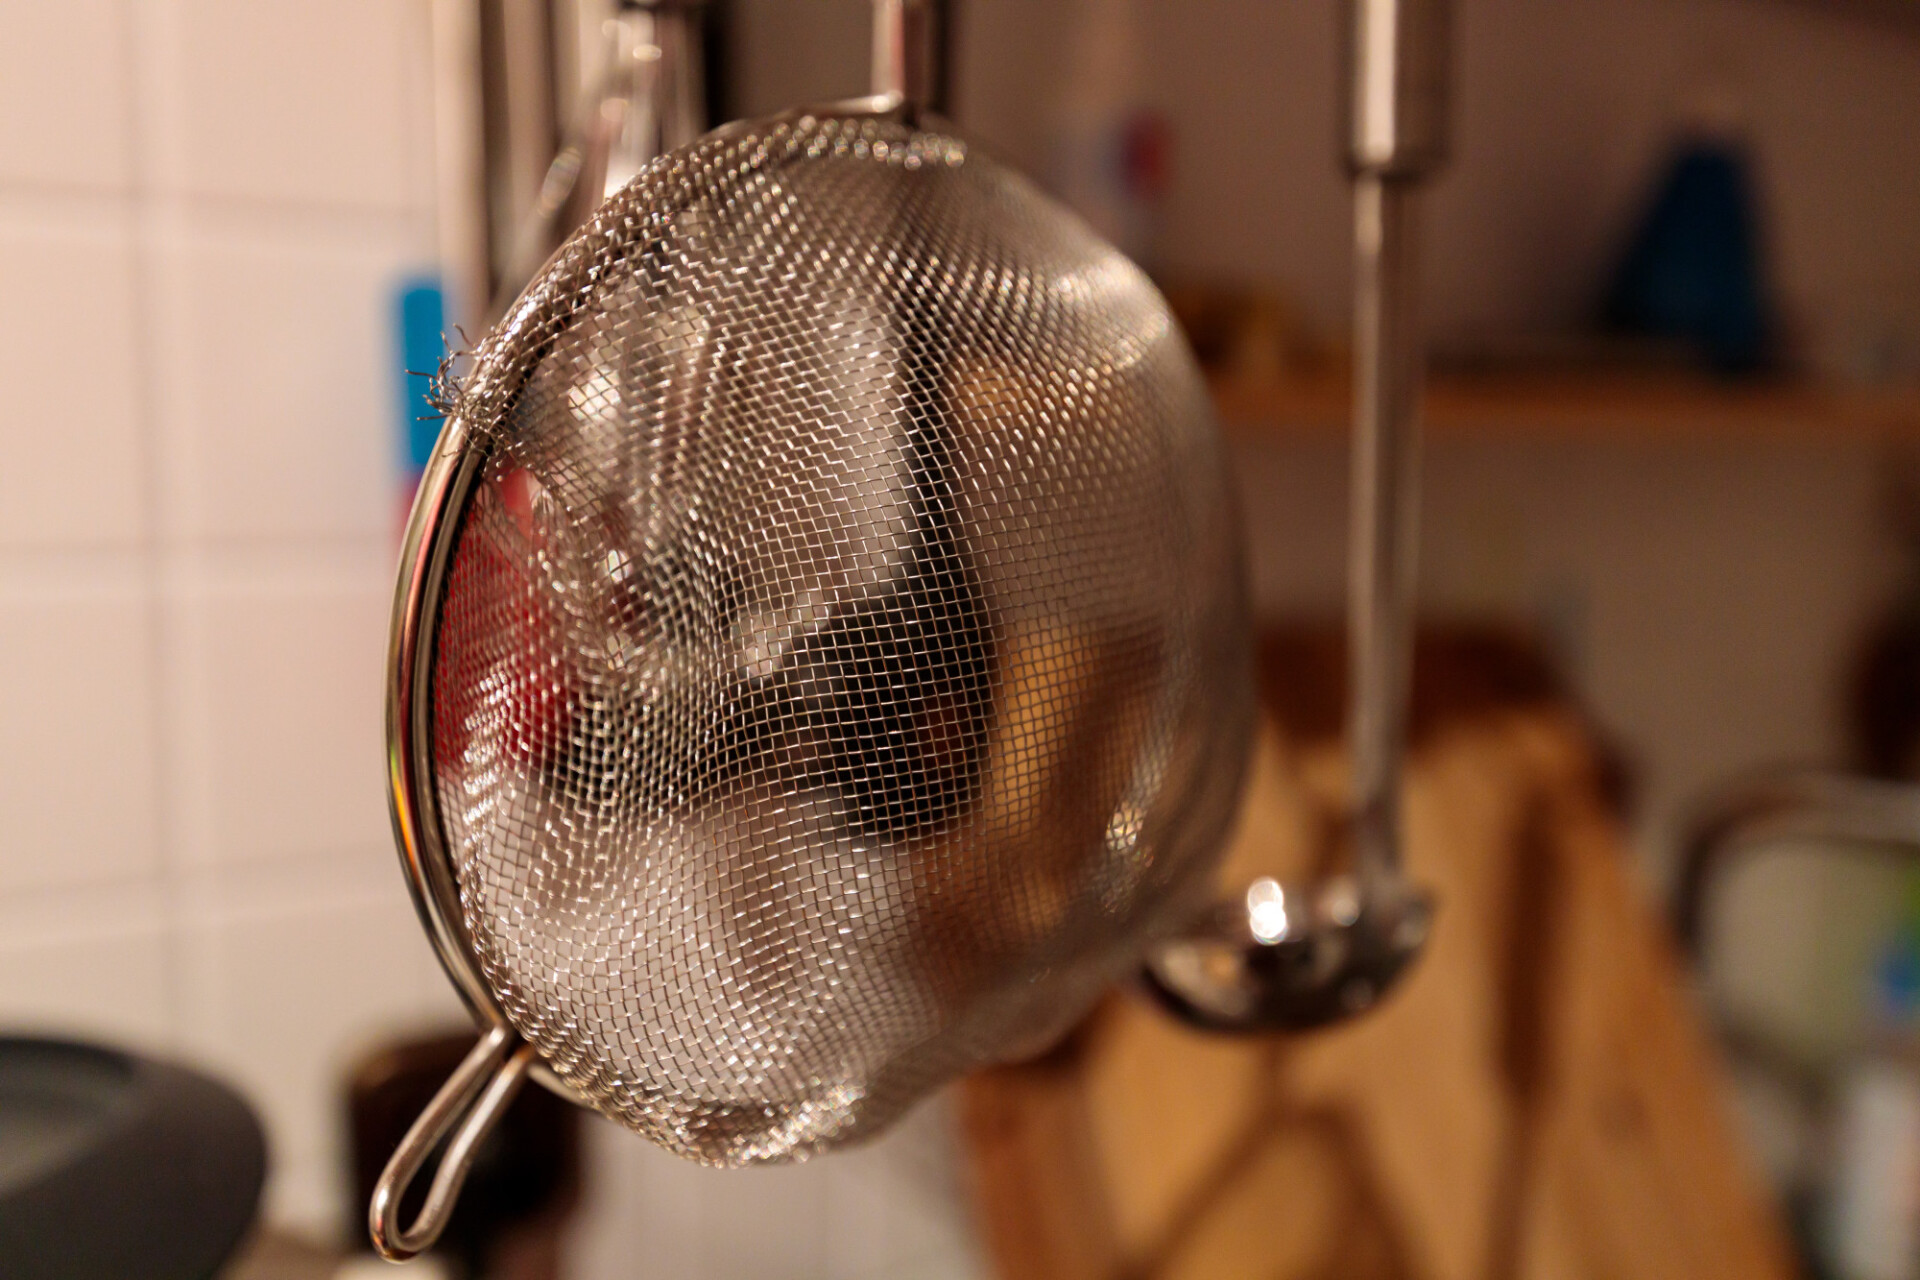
(820, 659)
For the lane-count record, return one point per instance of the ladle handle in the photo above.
(1386, 461)
(468, 1105)
(1396, 107)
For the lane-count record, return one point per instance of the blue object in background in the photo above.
(1693, 269)
(420, 325)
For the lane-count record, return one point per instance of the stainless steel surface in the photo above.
(1345, 942)
(820, 665)
(521, 84)
(1810, 807)
(519, 57)
(443, 491)
(1396, 93)
(1383, 537)
(903, 51)
(656, 88)
(467, 1107)
(1291, 957)
(411, 801)
(648, 100)
(1790, 904)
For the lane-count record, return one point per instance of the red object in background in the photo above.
(1146, 155)
(490, 676)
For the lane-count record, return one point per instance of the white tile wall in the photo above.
(63, 94)
(75, 457)
(204, 208)
(889, 1211)
(897, 1208)
(92, 965)
(275, 752)
(284, 101)
(277, 418)
(77, 748)
(281, 996)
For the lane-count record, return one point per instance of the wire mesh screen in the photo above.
(839, 674)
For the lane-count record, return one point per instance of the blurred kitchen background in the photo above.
(210, 210)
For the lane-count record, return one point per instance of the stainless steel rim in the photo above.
(424, 556)
(426, 551)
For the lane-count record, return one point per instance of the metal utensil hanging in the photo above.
(647, 100)
(1301, 956)
(819, 664)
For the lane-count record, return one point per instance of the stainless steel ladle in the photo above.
(1291, 957)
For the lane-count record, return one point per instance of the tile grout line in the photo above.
(141, 208)
(232, 211)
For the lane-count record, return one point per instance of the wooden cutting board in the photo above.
(1538, 1101)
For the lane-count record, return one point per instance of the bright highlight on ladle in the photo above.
(1267, 910)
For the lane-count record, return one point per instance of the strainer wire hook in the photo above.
(467, 1107)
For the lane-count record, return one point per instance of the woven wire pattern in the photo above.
(839, 672)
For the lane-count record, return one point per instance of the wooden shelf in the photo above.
(1644, 408)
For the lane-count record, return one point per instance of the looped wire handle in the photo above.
(468, 1105)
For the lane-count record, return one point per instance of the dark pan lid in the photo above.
(117, 1165)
